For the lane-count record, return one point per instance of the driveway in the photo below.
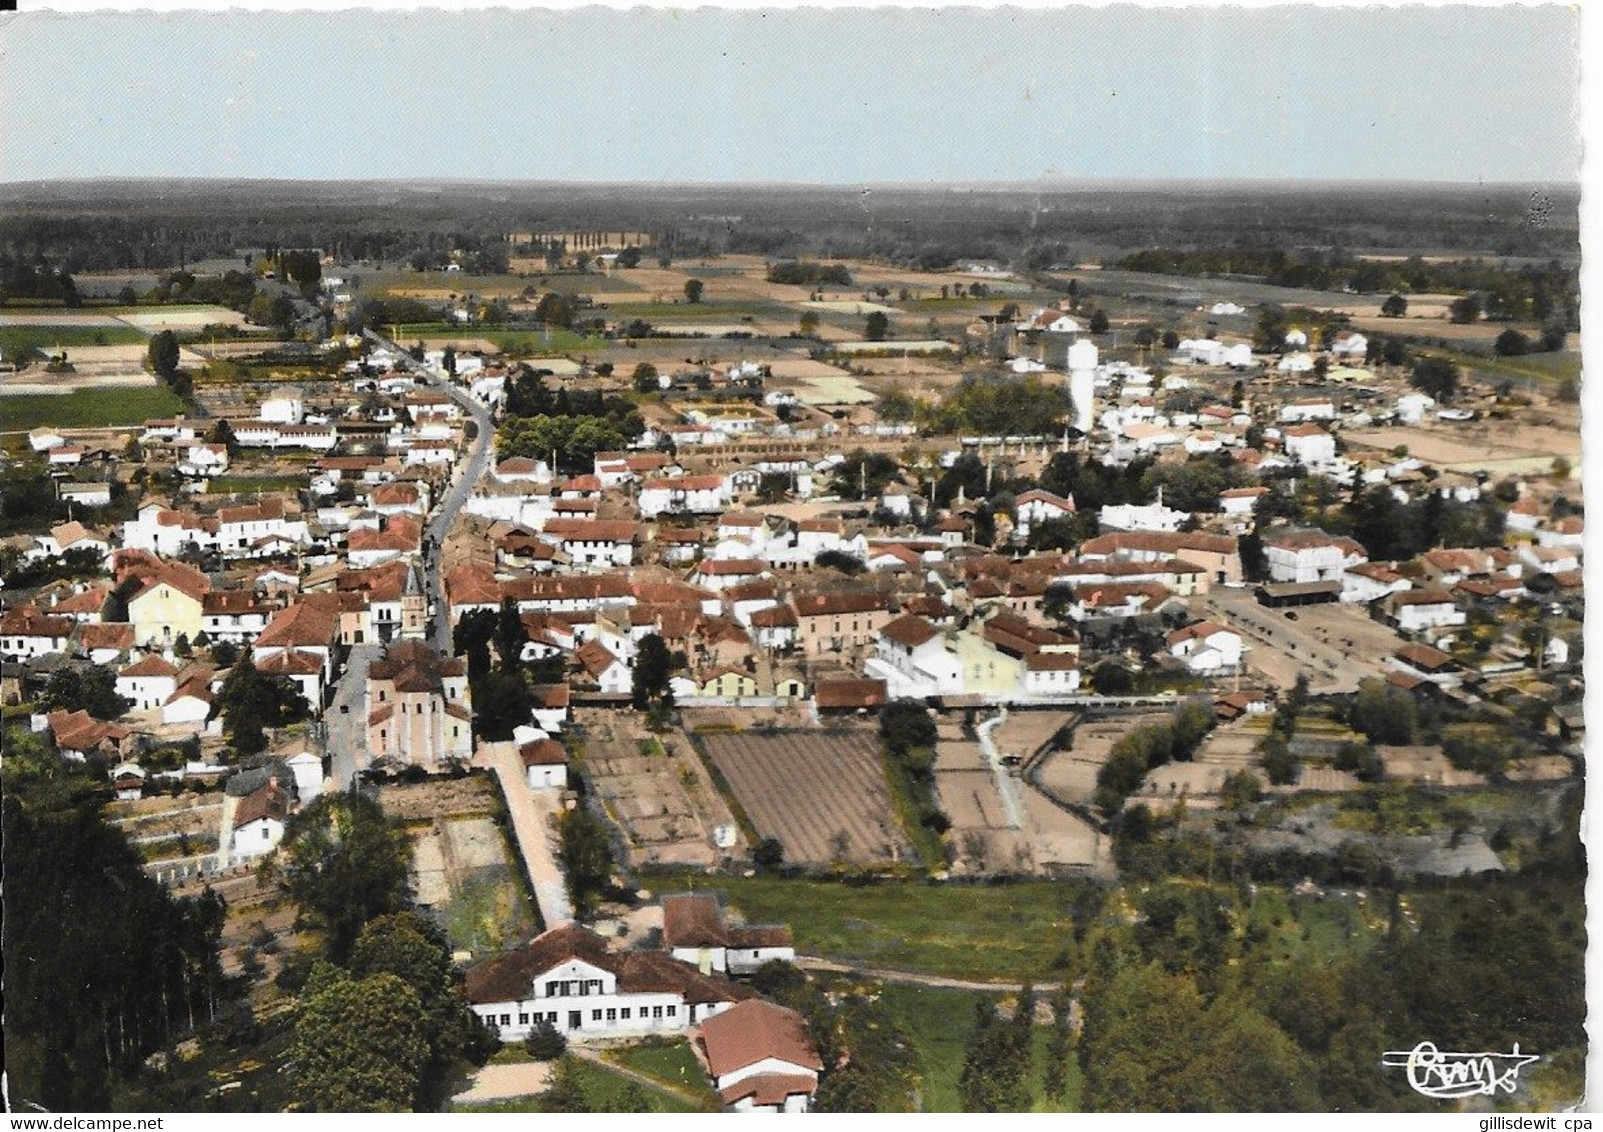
(531, 812)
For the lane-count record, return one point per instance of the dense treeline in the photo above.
(809, 274)
(111, 226)
(1196, 1007)
(102, 965)
(573, 425)
(36, 278)
(1149, 746)
(1540, 291)
(995, 405)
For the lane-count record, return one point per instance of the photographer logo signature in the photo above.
(1445, 1076)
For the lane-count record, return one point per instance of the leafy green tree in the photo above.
(564, 1093)
(1245, 1063)
(573, 439)
(358, 1045)
(554, 309)
(163, 354)
(102, 964)
(993, 1075)
(906, 725)
(343, 863)
(1099, 321)
(1240, 791)
(652, 669)
(250, 701)
(1269, 332)
(585, 854)
(1278, 760)
(693, 290)
(808, 324)
(502, 702)
(545, 1042)
(645, 378)
(1139, 1039)
(87, 687)
(410, 948)
(1395, 306)
(1465, 310)
(876, 326)
(471, 638)
(302, 267)
(1382, 713)
(1511, 343)
(510, 636)
(770, 853)
(863, 475)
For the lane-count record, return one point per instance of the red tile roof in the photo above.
(755, 1031)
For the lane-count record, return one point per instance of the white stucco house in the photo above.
(1207, 648)
(760, 1058)
(569, 979)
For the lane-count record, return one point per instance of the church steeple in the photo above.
(414, 606)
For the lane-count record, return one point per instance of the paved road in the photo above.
(531, 813)
(467, 474)
(346, 718)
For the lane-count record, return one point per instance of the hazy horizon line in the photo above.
(1022, 184)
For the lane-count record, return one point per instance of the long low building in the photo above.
(567, 978)
(1275, 594)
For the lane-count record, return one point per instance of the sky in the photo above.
(836, 96)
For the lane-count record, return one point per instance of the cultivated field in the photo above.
(1474, 444)
(656, 794)
(1070, 775)
(817, 791)
(87, 408)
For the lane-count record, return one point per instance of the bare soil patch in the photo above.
(819, 792)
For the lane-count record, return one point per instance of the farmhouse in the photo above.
(694, 931)
(760, 1057)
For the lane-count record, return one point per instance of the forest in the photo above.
(103, 966)
(150, 226)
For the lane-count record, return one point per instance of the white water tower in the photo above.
(1082, 374)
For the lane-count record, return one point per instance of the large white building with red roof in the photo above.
(567, 978)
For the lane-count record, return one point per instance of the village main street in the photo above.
(450, 505)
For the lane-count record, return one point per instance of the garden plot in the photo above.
(658, 798)
(821, 793)
(466, 875)
(1070, 775)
